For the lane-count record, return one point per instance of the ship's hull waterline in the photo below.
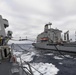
(45, 46)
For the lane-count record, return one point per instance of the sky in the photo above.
(28, 17)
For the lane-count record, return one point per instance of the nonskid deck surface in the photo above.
(9, 68)
(5, 67)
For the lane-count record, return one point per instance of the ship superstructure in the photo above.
(3, 24)
(4, 38)
(49, 34)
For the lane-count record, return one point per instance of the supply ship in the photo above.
(51, 39)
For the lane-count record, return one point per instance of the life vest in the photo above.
(0, 39)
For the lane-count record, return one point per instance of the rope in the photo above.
(23, 40)
(14, 39)
(33, 67)
(37, 70)
(59, 50)
(22, 48)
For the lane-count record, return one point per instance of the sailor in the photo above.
(4, 41)
(1, 40)
(10, 56)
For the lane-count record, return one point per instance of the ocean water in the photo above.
(60, 64)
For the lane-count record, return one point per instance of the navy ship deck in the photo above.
(5, 67)
(9, 68)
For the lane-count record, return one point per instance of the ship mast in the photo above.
(47, 27)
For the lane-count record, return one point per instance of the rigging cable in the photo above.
(22, 48)
(33, 67)
(59, 51)
(12, 46)
(23, 40)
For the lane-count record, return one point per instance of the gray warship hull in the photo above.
(56, 47)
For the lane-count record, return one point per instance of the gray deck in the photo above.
(5, 67)
(8, 68)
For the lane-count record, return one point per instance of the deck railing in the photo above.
(23, 67)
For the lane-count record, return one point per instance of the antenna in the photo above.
(49, 23)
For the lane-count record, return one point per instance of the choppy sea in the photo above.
(61, 64)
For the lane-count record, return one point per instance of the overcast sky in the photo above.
(28, 17)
